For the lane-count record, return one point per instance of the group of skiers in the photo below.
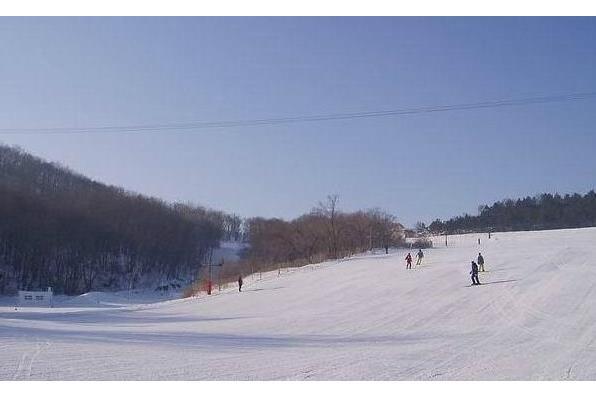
(476, 267)
(419, 255)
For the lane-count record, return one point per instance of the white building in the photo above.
(36, 298)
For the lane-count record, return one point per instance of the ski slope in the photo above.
(366, 318)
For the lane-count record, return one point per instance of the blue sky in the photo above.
(60, 72)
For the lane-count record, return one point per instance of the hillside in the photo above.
(363, 318)
(61, 229)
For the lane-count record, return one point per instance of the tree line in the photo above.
(324, 233)
(543, 211)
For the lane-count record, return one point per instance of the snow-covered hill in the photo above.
(364, 318)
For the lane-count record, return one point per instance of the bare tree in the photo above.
(328, 209)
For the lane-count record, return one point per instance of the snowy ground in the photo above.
(366, 318)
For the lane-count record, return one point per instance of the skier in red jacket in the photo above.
(408, 261)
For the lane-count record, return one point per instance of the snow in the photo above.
(365, 318)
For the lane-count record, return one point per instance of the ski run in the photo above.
(361, 318)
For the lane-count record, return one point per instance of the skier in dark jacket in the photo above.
(480, 262)
(420, 255)
(474, 274)
(240, 282)
(408, 261)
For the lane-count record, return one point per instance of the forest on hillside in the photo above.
(544, 211)
(63, 230)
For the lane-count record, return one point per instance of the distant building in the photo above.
(36, 298)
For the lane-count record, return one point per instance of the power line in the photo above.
(197, 125)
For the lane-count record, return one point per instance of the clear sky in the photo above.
(104, 71)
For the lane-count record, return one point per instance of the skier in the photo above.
(480, 262)
(240, 282)
(474, 274)
(408, 261)
(419, 255)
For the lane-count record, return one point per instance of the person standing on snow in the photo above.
(408, 261)
(474, 274)
(480, 262)
(240, 282)
(419, 255)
